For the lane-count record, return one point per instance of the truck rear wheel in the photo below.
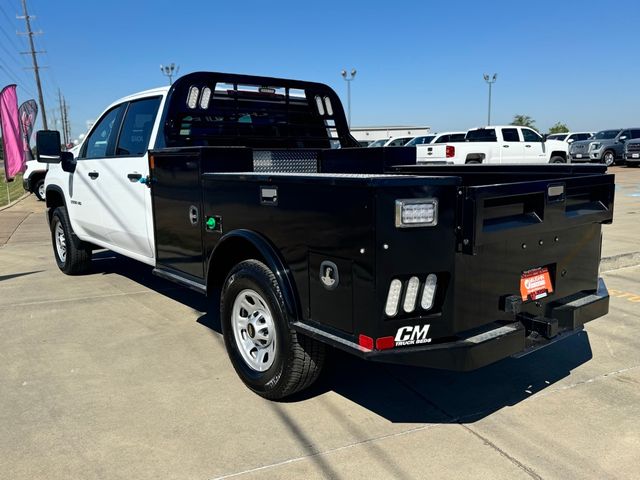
(71, 258)
(557, 159)
(271, 358)
(39, 190)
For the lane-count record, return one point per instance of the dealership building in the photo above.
(366, 135)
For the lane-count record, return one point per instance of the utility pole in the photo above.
(490, 81)
(34, 58)
(169, 71)
(348, 80)
(63, 122)
(67, 126)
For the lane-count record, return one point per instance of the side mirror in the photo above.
(67, 162)
(48, 146)
(570, 140)
(622, 138)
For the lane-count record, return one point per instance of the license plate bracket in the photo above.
(535, 284)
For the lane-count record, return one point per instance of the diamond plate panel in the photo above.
(285, 161)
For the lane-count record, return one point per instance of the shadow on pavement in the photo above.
(397, 393)
(16, 275)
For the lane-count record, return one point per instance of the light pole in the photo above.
(348, 80)
(169, 71)
(490, 81)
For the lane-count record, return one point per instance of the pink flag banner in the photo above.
(27, 113)
(10, 127)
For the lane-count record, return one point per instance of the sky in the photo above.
(418, 63)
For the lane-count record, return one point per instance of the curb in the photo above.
(15, 201)
(623, 260)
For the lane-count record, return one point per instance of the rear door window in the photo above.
(137, 126)
(510, 135)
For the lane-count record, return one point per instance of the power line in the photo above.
(34, 58)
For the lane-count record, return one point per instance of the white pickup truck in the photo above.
(252, 191)
(496, 144)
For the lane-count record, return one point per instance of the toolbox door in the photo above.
(490, 213)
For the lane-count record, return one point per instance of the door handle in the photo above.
(134, 177)
(505, 146)
(93, 175)
(528, 146)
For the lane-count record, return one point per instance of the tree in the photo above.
(524, 121)
(559, 128)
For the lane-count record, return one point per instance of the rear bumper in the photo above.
(496, 342)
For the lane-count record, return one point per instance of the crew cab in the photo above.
(251, 190)
(497, 144)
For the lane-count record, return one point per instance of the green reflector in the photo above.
(211, 223)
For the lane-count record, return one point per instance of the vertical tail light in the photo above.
(411, 295)
(450, 151)
(393, 298)
(429, 292)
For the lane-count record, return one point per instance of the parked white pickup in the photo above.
(496, 144)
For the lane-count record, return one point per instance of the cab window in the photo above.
(137, 126)
(510, 135)
(530, 135)
(100, 142)
(481, 135)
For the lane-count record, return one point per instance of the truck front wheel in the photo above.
(71, 258)
(39, 190)
(609, 158)
(272, 359)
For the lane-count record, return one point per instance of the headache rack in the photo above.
(220, 109)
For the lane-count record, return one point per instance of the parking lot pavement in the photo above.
(118, 374)
(620, 245)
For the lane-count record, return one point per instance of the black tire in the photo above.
(609, 158)
(39, 190)
(473, 162)
(297, 360)
(75, 259)
(557, 159)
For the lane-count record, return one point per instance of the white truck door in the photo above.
(534, 147)
(85, 197)
(127, 202)
(512, 146)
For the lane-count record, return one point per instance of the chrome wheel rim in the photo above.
(61, 242)
(254, 330)
(608, 159)
(41, 190)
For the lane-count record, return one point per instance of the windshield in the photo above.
(557, 137)
(606, 134)
(420, 140)
(378, 143)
